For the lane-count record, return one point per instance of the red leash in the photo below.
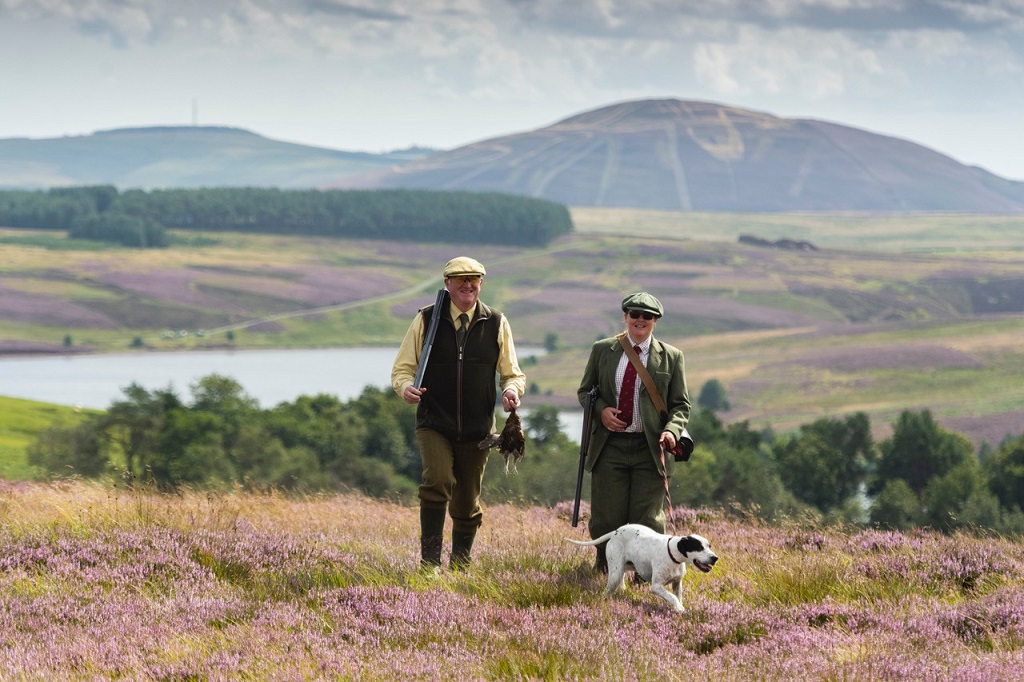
(668, 496)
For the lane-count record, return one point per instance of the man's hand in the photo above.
(509, 400)
(413, 395)
(667, 441)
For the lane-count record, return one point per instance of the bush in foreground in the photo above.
(104, 583)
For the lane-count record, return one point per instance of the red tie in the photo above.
(627, 391)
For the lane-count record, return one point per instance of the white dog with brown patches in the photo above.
(659, 559)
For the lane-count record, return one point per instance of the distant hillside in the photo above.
(671, 154)
(180, 157)
(665, 154)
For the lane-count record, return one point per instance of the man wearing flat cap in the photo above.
(455, 405)
(629, 436)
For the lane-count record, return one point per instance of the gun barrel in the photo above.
(588, 418)
(428, 338)
(579, 489)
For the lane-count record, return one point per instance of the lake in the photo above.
(269, 376)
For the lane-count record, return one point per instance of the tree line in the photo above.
(831, 469)
(140, 218)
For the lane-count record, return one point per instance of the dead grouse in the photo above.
(510, 442)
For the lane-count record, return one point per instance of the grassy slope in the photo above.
(793, 336)
(21, 421)
(865, 232)
(180, 157)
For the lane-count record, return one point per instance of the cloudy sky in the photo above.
(377, 75)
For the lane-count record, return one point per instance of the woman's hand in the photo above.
(610, 419)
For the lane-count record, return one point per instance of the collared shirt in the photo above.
(636, 426)
(454, 311)
(403, 373)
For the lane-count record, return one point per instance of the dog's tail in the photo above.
(596, 541)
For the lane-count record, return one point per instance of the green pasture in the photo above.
(52, 241)
(942, 232)
(21, 422)
(41, 284)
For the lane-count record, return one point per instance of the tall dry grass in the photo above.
(99, 583)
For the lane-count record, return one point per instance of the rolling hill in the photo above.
(679, 155)
(664, 154)
(169, 157)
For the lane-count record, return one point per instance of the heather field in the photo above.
(101, 583)
(889, 313)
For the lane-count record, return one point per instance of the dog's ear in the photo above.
(690, 545)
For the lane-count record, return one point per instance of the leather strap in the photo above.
(668, 544)
(660, 405)
(644, 375)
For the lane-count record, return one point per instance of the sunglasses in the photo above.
(637, 314)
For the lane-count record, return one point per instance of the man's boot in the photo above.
(462, 546)
(601, 563)
(431, 536)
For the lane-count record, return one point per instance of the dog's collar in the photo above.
(668, 547)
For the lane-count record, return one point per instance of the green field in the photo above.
(888, 313)
(939, 232)
(21, 422)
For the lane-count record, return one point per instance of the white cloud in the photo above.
(377, 74)
(815, 65)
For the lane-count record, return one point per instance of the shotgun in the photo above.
(588, 418)
(428, 338)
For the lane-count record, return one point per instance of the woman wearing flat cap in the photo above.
(628, 471)
(455, 405)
